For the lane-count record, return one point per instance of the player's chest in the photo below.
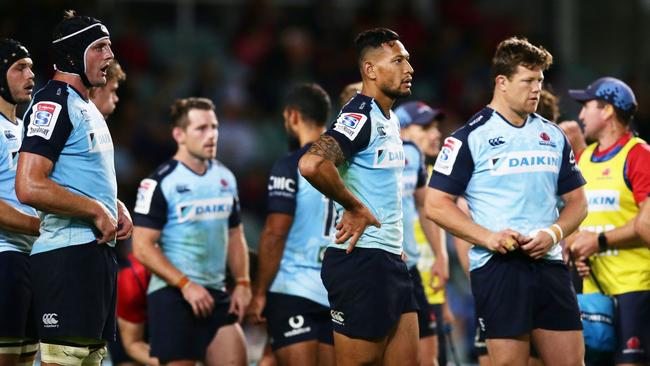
(192, 200)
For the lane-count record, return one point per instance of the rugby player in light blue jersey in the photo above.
(510, 165)
(299, 226)
(358, 163)
(189, 207)
(66, 171)
(18, 222)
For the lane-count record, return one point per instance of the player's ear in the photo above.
(368, 69)
(500, 82)
(179, 134)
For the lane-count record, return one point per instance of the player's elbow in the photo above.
(433, 205)
(309, 165)
(24, 191)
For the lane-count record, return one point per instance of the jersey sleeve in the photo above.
(637, 173)
(47, 128)
(569, 177)
(282, 187)
(353, 126)
(454, 166)
(151, 206)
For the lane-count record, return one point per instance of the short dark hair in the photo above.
(373, 38)
(625, 117)
(311, 101)
(548, 106)
(514, 52)
(181, 108)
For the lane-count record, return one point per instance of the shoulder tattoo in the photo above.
(328, 148)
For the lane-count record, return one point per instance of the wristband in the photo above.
(243, 281)
(602, 242)
(551, 233)
(183, 282)
(558, 230)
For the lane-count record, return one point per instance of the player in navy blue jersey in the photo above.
(66, 171)
(299, 226)
(510, 165)
(18, 222)
(358, 163)
(190, 208)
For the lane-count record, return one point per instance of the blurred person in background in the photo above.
(189, 206)
(19, 223)
(643, 224)
(415, 119)
(618, 182)
(299, 225)
(105, 96)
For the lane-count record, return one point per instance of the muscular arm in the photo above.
(150, 255)
(432, 233)
(238, 264)
(272, 245)
(318, 166)
(574, 211)
(35, 188)
(134, 343)
(14, 220)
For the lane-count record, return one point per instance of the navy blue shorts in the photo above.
(368, 290)
(16, 309)
(426, 317)
(633, 327)
(75, 289)
(295, 319)
(515, 294)
(175, 332)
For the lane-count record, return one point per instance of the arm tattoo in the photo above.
(328, 148)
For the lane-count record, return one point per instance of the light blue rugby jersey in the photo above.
(69, 130)
(414, 177)
(310, 233)
(12, 135)
(373, 169)
(193, 213)
(511, 176)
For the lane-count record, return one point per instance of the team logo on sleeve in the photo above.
(447, 156)
(43, 119)
(145, 195)
(350, 124)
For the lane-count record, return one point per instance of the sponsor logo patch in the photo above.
(447, 156)
(281, 184)
(497, 141)
(350, 124)
(603, 200)
(9, 135)
(545, 140)
(43, 119)
(389, 157)
(145, 194)
(202, 210)
(525, 162)
(50, 320)
(337, 317)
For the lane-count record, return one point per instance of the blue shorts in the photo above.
(515, 294)
(295, 319)
(633, 327)
(16, 308)
(426, 317)
(368, 290)
(75, 289)
(175, 332)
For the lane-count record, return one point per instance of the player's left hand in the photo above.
(352, 225)
(439, 270)
(124, 222)
(585, 244)
(539, 245)
(241, 297)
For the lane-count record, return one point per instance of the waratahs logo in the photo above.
(201, 210)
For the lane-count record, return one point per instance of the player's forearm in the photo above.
(444, 212)
(238, 253)
(146, 251)
(14, 220)
(574, 211)
(323, 175)
(270, 255)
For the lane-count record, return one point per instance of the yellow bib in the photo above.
(426, 260)
(611, 205)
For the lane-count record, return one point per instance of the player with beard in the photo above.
(358, 163)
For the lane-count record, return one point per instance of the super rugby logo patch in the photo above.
(43, 119)
(145, 196)
(447, 156)
(349, 124)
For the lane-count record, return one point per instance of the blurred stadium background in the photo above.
(245, 55)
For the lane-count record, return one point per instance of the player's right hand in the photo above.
(199, 298)
(105, 223)
(505, 240)
(255, 308)
(352, 225)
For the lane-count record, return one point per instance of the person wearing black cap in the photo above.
(66, 171)
(19, 223)
(618, 182)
